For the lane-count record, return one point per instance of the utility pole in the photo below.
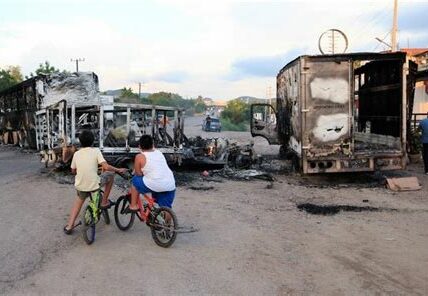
(269, 94)
(394, 27)
(77, 62)
(139, 90)
(269, 97)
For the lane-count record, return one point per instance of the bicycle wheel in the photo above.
(88, 226)
(164, 227)
(123, 220)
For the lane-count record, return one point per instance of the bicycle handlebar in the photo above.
(128, 175)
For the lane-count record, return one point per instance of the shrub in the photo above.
(227, 125)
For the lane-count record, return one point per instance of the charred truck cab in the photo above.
(340, 113)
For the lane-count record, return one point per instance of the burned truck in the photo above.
(340, 113)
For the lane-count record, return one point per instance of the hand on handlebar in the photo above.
(122, 171)
(125, 173)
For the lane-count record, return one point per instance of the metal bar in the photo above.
(62, 115)
(148, 107)
(154, 121)
(404, 72)
(73, 124)
(175, 131)
(101, 122)
(128, 125)
(351, 106)
(36, 121)
(65, 121)
(48, 130)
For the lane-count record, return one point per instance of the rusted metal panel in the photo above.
(289, 107)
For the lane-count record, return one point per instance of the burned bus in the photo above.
(340, 113)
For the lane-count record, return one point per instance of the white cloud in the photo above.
(224, 32)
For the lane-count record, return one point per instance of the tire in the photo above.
(88, 230)
(106, 216)
(163, 237)
(123, 221)
(283, 152)
(295, 163)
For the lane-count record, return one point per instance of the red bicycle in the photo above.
(161, 220)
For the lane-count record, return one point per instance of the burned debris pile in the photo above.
(246, 174)
(218, 152)
(329, 210)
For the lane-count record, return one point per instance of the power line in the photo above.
(369, 25)
(381, 40)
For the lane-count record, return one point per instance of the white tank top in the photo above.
(157, 175)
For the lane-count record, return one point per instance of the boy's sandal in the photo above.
(128, 210)
(68, 231)
(108, 206)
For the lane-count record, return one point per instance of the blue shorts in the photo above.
(163, 199)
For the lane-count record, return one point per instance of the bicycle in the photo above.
(91, 216)
(161, 220)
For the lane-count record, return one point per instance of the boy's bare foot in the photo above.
(130, 210)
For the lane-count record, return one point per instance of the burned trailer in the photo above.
(117, 129)
(17, 106)
(340, 113)
(19, 103)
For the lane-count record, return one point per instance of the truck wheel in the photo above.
(283, 152)
(295, 163)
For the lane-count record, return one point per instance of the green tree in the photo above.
(10, 76)
(169, 99)
(237, 111)
(127, 96)
(15, 72)
(236, 116)
(199, 104)
(45, 69)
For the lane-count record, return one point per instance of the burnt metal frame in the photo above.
(61, 110)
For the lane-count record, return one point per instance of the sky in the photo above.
(217, 49)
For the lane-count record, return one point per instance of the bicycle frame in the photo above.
(143, 213)
(94, 203)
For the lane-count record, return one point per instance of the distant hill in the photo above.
(117, 92)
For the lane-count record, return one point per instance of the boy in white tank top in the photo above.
(152, 175)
